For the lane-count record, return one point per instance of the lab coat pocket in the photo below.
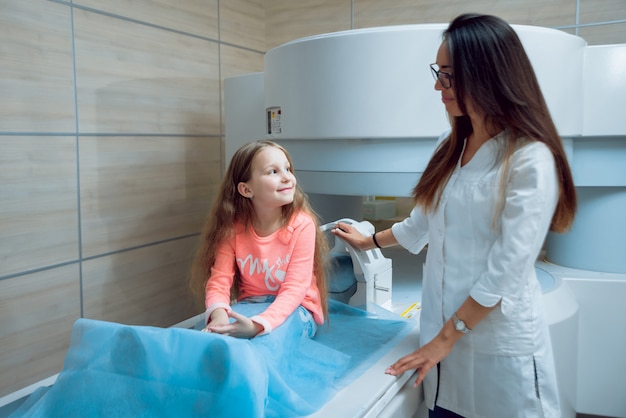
(509, 334)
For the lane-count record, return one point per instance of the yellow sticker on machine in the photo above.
(411, 310)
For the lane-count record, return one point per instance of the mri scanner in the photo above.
(359, 115)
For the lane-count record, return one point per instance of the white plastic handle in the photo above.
(331, 225)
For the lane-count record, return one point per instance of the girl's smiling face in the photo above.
(272, 183)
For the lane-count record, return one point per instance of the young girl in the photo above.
(261, 244)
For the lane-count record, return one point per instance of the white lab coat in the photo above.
(504, 366)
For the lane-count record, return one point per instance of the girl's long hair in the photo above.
(491, 69)
(230, 208)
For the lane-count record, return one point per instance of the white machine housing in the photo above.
(360, 117)
(372, 269)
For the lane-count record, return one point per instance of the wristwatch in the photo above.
(460, 325)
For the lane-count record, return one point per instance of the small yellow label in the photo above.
(411, 310)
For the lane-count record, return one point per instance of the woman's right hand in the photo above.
(352, 236)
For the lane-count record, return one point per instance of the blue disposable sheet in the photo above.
(115, 370)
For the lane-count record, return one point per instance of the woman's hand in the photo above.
(428, 356)
(352, 236)
(422, 359)
(243, 327)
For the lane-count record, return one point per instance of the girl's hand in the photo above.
(352, 236)
(218, 317)
(243, 327)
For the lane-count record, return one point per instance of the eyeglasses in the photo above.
(444, 78)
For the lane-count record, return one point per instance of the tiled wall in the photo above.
(110, 153)
(111, 143)
(597, 21)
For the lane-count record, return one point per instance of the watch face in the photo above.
(459, 325)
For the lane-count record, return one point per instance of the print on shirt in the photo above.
(273, 278)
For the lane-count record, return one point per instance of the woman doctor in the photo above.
(496, 183)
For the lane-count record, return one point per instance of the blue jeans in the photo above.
(309, 326)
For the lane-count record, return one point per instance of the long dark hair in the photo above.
(231, 208)
(491, 69)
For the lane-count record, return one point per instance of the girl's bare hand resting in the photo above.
(243, 327)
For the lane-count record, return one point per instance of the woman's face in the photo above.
(447, 94)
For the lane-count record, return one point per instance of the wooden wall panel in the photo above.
(198, 17)
(37, 311)
(138, 190)
(36, 77)
(138, 79)
(38, 203)
(147, 286)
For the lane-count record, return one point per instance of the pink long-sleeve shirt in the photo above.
(279, 264)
